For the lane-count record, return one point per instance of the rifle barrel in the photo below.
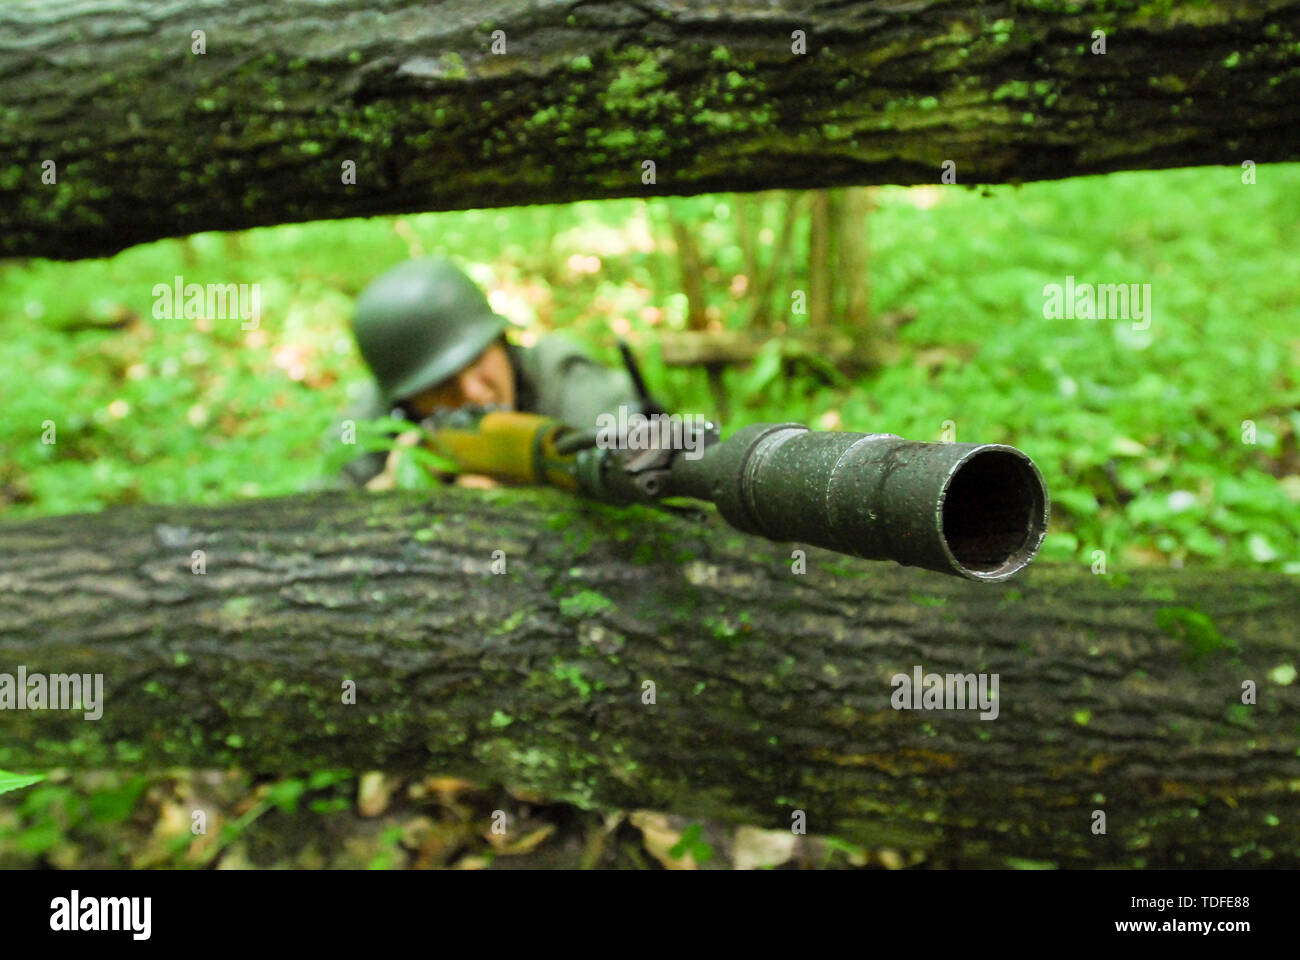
(973, 510)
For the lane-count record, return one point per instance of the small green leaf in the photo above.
(16, 781)
(286, 795)
(114, 805)
(691, 844)
(584, 603)
(767, 364)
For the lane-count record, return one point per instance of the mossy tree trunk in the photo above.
(150, 138)
(772, 689)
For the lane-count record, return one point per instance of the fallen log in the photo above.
(122, 121)
(627, 658)
(839, 348)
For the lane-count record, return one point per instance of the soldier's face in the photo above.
(488, 380)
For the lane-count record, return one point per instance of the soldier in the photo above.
(431, 340)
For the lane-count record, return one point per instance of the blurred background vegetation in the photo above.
(925, 311)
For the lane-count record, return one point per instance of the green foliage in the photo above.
(765, 370)
(113, 804)
(691, 844)
(852, 852)
(16, 781)
(921, 600)
(60, 821)
(584, 603)
(50, 818)
(390, 851)
(572, 673)
(286, 794)
(1139, 435)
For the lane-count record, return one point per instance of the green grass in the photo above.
(1139, 435)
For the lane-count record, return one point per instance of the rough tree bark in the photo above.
(151, 139)
(772, 688)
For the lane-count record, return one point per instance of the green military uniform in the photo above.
(556, 378)
(421, 321)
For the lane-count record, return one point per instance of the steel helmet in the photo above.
(421, 322)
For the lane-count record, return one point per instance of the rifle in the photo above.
(973, 510)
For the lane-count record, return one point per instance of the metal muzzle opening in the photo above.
(993, 514)
(974, 510)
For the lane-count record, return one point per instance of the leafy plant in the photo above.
(16, 781)
(691, 844)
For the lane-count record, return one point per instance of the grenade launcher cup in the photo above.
(974, 510)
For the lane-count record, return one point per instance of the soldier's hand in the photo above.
(387, 478)
(475, 480)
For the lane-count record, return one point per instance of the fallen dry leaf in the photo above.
(754, 848)
(501, 843)
(660, 837)
(447, 788)
(374, 793)
(890, 859)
